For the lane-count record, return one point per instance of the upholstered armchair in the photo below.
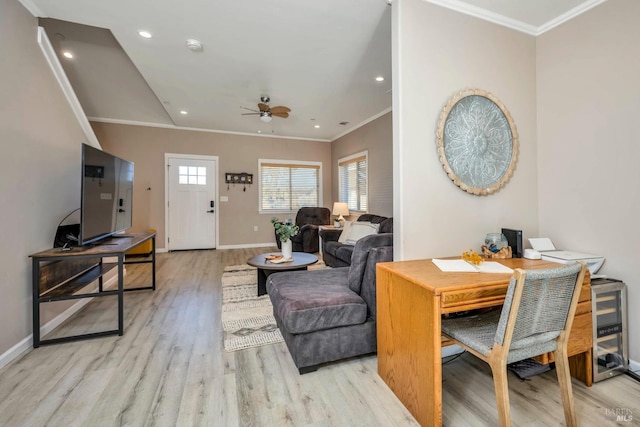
(308, 219)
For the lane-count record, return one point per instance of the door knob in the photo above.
(210, 211)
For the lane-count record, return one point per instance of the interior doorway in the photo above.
(191, 192)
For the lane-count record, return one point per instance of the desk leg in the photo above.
(121, 294)
(409, 345)
(153, 263)
(581, 367)
(36, 302)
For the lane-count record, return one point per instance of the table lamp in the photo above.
(340, 209)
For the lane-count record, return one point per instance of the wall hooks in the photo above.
(238, 178)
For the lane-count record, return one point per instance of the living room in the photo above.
(570, 89)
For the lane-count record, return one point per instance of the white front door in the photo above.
(191, 201)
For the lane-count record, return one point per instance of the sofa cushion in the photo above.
(360, 229)
(315, 300)
(343, 253)
(345, 232)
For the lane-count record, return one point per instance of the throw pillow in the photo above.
(359, 229)
(345, 232)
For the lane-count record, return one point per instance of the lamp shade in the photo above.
(340, 209)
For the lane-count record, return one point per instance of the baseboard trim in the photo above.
(27, 343)
(248, 245)
(634, 367)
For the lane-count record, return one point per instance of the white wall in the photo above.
(39, 167)
(437, 53)
(588, 145)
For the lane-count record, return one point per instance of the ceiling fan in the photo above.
(266, 112)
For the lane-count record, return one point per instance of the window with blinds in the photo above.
(286, 186)
(353, 181)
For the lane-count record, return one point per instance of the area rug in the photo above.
(247, 319)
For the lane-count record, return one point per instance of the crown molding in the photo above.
(570, 14)
(514, 24)
(359, 125)
(486, 15)
(166, 126)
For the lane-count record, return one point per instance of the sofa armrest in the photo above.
(369, 286)
(308, 227)
(330, 234)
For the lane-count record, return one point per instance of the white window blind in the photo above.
(353, 181)
(288, 186)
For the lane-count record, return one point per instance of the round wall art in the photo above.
(477, 142)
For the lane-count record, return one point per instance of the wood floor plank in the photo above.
(170, 369)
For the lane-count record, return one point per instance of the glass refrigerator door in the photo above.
(609, 332)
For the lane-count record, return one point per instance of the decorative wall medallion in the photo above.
(477, 142)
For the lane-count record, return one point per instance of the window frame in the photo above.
(293, 163)
(352, 159)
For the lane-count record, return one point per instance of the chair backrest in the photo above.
(313, 215)
(539, 305)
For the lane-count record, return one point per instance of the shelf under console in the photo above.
(60, 275)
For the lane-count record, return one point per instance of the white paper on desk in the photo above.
(542, 244)
(462, 266)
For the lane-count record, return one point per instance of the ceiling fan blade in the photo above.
(280, 109)
(250, 114)
(250, 109)
(263, 107)
(283, 114)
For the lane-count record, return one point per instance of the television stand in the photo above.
(63, 274)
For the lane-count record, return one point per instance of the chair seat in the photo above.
(478, 332)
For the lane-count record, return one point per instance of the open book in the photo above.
(462, 266)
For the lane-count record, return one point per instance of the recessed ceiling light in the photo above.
(194, 45)
(145, 34)
(317, 126)
(379, 79)
(67, 54)
(183, 112)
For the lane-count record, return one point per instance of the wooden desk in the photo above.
(411, 298)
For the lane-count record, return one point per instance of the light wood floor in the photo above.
(170, 369)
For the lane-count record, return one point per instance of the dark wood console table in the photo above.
(62, 274)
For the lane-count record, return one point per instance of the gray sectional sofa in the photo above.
(337, 254)
(328, 315)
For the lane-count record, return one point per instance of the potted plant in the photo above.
(285, 231)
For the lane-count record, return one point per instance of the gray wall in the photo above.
(573, 93)
(39, 167)
(377, 138)
(437, 53)
(146, 146)
(588, 145)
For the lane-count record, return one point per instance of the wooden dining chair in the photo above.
(536, 319)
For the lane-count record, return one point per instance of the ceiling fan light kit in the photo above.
(265, 116)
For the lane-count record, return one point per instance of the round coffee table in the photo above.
(300, 262)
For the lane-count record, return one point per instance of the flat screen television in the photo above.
(107, 195)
